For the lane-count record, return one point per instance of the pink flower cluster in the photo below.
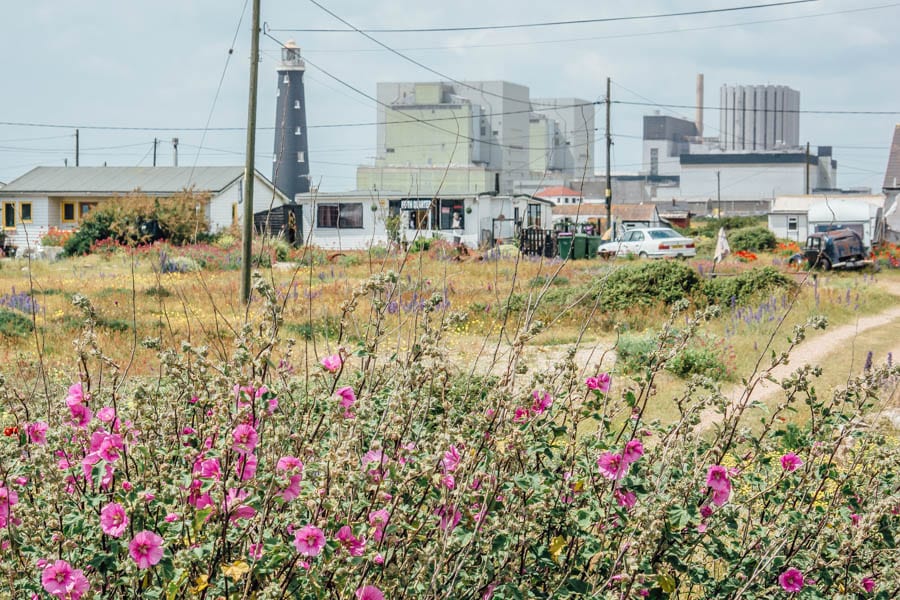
(347, 400)
(791, 580)
(8, 499)
(352, 544)
(332, 363)
(717, 479)
(600, 383)
(614, 466)
(146, 549)
(790, 462)
(62, 581)
(541, 401)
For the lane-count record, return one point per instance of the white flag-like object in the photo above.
(722, 247)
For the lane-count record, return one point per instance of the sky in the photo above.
(124, 73)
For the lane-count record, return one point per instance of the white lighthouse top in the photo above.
(290, 57)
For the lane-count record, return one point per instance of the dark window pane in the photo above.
(351, 216)
(327, 215)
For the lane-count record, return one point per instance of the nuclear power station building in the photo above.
(758, 117)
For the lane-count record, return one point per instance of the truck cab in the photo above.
(835, 249)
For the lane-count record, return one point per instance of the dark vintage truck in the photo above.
(835, 249)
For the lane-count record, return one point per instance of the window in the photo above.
(534, 216)
(340, 216)
(792, 223)
(286, 79)
(389, 150)
(68, 212)
(298, 131)
(654, 161)
(296, 105)
(9, 215)
(25, 212)
(452, 214)
(301, 157)
(84, 208)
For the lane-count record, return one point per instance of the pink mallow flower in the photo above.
(245, 439)
(146, 549)
(37, 432)
(113, 519)
(332, 363)
(245, 467)
(868, 584)
(600, 382)
(634, 450)
(790, 462)
(624, 498)
(717, 478)
(369, 592)
(106, 414)
(81, 415)
(612, 465)
(292, 468)
(542, 401)
(451, 459)
(309, 540)
(347, 396)
(354, 545)
(62, 581)
(791, 580)
(75, 395)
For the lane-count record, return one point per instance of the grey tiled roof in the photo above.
(123, 180)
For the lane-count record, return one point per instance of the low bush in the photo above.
(710, 227)
(752, 239)
(741, 288)
(14, 324)
(648, 284)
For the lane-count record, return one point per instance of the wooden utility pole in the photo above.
(719, 193)
(608, 166)
(249, 168)
(77, 149)
(155, 142)
(807, 169)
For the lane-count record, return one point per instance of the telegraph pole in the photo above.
(77, 149)
(608, 166)
(155, 142)
(175, 152)
(249, 168)
(807, 169)
(719, 192)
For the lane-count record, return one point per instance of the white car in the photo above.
(650, 242)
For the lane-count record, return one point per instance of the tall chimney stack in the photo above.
(700, 104)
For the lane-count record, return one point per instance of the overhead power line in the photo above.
(419, 63)
(765, 110)
(541, 23)
(613, 36)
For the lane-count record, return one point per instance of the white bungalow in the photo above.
(62, 196)
(360, 219)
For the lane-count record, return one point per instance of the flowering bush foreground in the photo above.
(381, 473)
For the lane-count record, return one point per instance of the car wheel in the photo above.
(825, 264)
(643, 255)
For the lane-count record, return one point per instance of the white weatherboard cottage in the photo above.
(62, 196)
(358, 220)
(795, 217)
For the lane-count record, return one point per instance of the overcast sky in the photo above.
(157, 65)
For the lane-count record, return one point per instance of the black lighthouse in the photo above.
(290, 171)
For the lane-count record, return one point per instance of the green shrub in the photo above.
(754, 239)
(648, 284)
(281, 248)
(634, 351)
(741, 288)
(710, 227)
(14, 324)
(96, 226)
(698, 360)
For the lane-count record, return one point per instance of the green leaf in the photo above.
(666, 583)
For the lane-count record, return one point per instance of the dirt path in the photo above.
(815, 348)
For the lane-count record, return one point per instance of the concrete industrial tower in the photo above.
(291, 165)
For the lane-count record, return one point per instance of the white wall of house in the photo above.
(789, 225)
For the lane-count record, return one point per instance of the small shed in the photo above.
(865, 219)
(793, 217)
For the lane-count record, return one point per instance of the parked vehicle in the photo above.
(650, 242)
(835, 249)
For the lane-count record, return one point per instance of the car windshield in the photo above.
(661, 234)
